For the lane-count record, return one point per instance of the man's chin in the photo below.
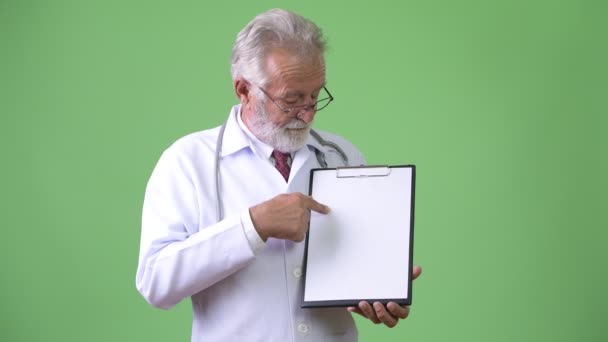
(293, 142)
(299, 136)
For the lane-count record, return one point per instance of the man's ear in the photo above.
(241, 89)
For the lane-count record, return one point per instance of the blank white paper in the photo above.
(361, 249)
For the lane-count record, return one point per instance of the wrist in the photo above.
(255, 219)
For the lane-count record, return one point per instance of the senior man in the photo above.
(224, 215)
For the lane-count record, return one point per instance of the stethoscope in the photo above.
(320, 158)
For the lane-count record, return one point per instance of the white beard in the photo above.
(283, 138)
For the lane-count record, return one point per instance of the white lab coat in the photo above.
(237, 295)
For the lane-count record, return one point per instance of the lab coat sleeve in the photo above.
(177, 257)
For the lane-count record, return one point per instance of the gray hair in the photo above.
(273, 29)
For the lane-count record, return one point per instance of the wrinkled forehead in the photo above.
(287, 71)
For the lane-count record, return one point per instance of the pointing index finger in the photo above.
(316, 206)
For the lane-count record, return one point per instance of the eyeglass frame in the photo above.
(306, 107)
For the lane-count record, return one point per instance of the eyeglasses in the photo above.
(300, 109)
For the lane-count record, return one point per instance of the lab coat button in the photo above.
(303, 328)
(297, 272)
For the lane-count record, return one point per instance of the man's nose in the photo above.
(306, 114)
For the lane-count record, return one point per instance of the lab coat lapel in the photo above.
(300, 159)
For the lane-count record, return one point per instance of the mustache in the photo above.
(296, 123)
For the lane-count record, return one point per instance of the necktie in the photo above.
(281, 163)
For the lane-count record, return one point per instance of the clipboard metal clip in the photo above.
(363, 171)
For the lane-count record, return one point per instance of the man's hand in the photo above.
(285, 216)
(388, 315)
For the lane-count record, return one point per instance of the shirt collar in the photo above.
(234, 138)
(261, 149)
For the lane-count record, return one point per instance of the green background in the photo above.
(500, 104)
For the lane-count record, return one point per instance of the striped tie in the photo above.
(281, 163)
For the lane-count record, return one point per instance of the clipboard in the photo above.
(362, 249)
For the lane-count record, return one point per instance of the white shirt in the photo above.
(240, 290)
